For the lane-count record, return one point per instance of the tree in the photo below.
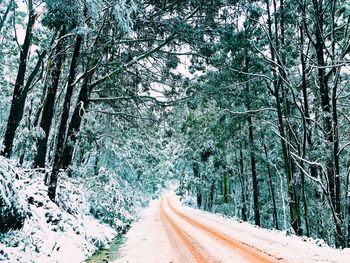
(19, 93)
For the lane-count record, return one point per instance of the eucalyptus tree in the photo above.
(114, 49)
(330, 46)
(131, 50)
(88, 16)
(317, 46)
(316, 26)
(62, 18)
(233, 56)
(20, 90)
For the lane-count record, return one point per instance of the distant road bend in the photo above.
(172, 233)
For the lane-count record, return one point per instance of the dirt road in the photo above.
(170, 232)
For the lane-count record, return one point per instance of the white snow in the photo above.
(148, 240)
(51, 234)
(292, 248)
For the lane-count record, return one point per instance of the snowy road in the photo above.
(169, 232)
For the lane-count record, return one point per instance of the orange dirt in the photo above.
(250, 253)
(195, 251)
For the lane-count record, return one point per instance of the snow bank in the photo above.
(50, 233)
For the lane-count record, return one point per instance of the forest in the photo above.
(244, 105)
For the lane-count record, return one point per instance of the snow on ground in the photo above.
(292, 247)
(147, 239)
(154, 239)
(50, 234)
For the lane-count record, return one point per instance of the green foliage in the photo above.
(63, 13)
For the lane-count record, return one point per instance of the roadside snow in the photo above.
(150, 241)
(51, 234)
(292, 248)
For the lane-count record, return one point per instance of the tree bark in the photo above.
(251, 143)
(254, 174)
(307, 126)
(272, 190)
(225, 178)
(277, 83)
(330, 121)
(75, 122)
(64, 120)
(18, 102)
(48, 109)
(225, 188)
(198, 187)
(211, 197)
(242, 179)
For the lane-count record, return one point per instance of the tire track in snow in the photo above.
(251, 253)
(196, 252)
(181, 253)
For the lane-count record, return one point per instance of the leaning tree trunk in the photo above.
(48, 108)
(75, 122)
(18, 102)
(64, 120)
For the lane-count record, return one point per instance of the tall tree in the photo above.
(47, 111)
(18, 98)
(64, 119)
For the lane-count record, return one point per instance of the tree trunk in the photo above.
(251, 144)
(75, 122)
(307, 134)
(48, 109)
(277, 83)
(211, 196)
(242, 179)
(330, 122)
(79, 110)
(254, 174)
(18, 102)
(307, 126)
(272, 190)
(64, 120)
(225, 188)
(290, 183)
(198, 187)
(347, 244)
(348, 211)
(325, 101)
(225, 178)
